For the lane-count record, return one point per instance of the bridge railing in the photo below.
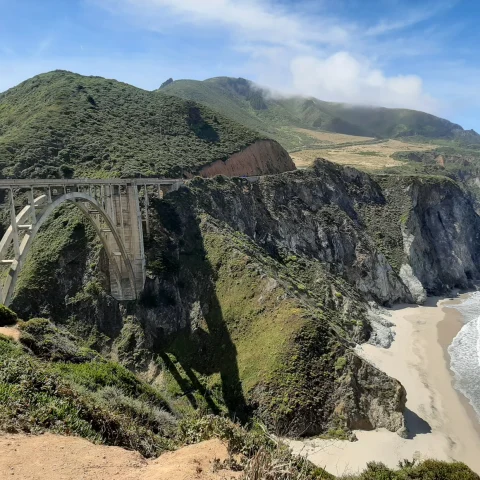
(37, 182)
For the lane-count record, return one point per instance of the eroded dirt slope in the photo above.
(53, 457)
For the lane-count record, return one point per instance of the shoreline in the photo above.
(448, 329)
(442, 423)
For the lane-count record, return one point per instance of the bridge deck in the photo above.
(37, 182)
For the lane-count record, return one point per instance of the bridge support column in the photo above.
(13, 222)
(147, 219)
(33, 213)
(134, 237)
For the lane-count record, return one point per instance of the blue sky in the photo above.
(398, 53)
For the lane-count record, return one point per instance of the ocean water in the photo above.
(465, 351)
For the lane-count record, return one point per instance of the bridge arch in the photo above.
(121, 272)
(112, 206)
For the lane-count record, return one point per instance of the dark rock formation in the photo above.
(442, 236)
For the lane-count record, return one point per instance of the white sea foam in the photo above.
(465, 351)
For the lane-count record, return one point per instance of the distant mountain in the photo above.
(64, 124)
(256, 108)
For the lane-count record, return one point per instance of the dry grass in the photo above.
(332, 138)
(280, 465)
(366, 157)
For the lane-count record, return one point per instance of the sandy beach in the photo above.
(441, 422)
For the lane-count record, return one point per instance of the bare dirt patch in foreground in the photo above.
(53, 457)
(367, 157)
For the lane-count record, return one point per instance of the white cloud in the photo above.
(343, 78)
(252, 20)
(303, 53)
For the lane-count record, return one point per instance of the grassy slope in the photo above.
(394, 122)
(60, 121)
(239, 99)
(51, 383)
(261, 340)
(236, 106)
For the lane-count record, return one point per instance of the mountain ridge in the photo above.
(255, 106)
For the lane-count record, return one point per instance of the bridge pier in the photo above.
(113, 208)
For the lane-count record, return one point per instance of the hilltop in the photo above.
(61, 124)
(281, 116)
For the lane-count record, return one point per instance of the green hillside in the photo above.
(400, 122)
(64, 124)
(278, 117)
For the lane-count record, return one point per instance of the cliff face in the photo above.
(313, 214)
(430, 232)
(256, 291)
(264, 157)
(442, 237)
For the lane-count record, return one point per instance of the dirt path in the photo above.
(53, 457)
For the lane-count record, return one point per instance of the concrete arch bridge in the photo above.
(113, 208)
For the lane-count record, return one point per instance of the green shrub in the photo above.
(197, 428)
(340, 363)
(410, 470)
(100, 373)
(72, 398)
(53, 343)
(147, 414)
(7, 316)
(437, 470)
(279, 464)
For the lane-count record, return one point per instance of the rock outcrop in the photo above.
(429, 230)
(444, 236)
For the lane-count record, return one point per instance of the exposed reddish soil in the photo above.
(262, 158)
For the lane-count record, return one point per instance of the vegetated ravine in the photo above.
(258, 291)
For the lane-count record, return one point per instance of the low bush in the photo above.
(264, 458)
(147, 414)
(70, 399)
(281, 465)
(411, 470)
(53, 343)
(7, 316)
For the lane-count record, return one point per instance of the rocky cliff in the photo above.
(257, 291)
(429, 231)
